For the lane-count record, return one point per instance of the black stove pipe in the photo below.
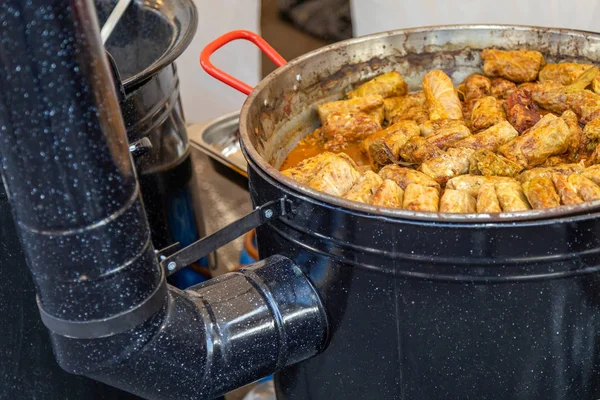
(75, 199)
(67, 166)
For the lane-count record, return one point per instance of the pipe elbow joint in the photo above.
(213, 337)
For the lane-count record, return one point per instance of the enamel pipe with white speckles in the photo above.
(76, 202)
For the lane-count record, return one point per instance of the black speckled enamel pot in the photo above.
(426, 306)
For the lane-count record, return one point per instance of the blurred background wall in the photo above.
(292, 27)
(295, 27)
(204, 97)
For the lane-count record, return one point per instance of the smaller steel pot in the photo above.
(143, 49)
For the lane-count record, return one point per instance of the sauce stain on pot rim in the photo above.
(278, 113)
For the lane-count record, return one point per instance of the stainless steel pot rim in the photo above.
(181, 42)
(583, 210)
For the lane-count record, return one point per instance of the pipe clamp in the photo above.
(118, 323)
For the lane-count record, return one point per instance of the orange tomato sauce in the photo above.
(306, 150)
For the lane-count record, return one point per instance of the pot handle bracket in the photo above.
(195, 251)
(226, 38)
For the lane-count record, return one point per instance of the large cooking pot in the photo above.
(425, 305)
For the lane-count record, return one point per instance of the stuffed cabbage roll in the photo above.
(476, 86)
(443, 132)
(306, 169)
(455, 201)
(592, 130)
(375, 149)
(417, 150)
(488, 163)
(430, 128)
(401, 131)
(501, 88)
(409, 107)
(364, 188)
(556, 98)
(555, 161)
(585, 104)
(547, 172)
(405, 176)
(511, 197)
(384, 85)
(368, 105)
(489, 139)
(452, 163)
(578, 141)
(389, 194)
(521, 110)
(442, 99)
(514, 65)
(563, 73)
(487, 111)
(596, 85)
(567, 192)
(421, 198)
(418, 114)
(540, 193)
(472, 183)
(586, 189)
(594, 158)
(467, 109)
(550, 136)
(487, 201)
(399, 104)
(339, 130)
(592, 173)
(336, 177)
(383, 147)
(550, 96)
(591, 139)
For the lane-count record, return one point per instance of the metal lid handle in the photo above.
(223, 40)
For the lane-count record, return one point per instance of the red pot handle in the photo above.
(226, 38)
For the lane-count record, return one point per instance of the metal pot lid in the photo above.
(150, 35)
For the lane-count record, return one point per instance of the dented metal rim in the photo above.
(555, 215)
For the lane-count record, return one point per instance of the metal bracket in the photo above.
(195, 251)
(140, 147)
(168, 251)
